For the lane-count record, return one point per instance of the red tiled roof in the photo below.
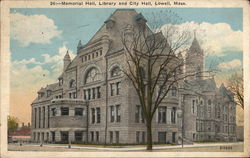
(23, 131)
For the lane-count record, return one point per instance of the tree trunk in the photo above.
(149, 136)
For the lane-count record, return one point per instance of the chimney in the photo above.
(22, 124)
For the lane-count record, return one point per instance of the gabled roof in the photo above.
(205, 85)
(225, 92)
(122, 18)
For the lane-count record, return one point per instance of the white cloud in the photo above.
(32, 29)
(230, 65)
(215, 39)
(24, 77)
(29, 61)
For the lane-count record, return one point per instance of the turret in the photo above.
(66, 61)
(195, 60)
(79, 46)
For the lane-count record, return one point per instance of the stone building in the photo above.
(93, 102)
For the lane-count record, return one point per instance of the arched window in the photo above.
(115, 71)
(92, 75)
(72, 83)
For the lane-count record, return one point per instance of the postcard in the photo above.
(117, 78)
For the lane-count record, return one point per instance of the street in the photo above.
(197, 147)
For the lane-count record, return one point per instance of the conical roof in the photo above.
(79, 44)
(195, 46)
(67, 57)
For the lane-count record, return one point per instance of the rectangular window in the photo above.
(98, 92)
(93, 55)
(173, 115)
(162, 113)
(85, 94)
(35, 116)
(117, 136)
(89, 94)
(48, 116)
(64, 136)
(86, 58)
(137, 113)
(96, 54)
(93, 115)
(43, 117)
(143, 137)
(39, 117)
(174, 91)
(118, 88)
(38, 136)
(162, 137)
(100, 52)
(92, 136)
(74, 95)
(118, 113)
(112, 89)
(64, 111)
(70, 95)
(193, 106)
(78, 111)
(112, 114)
(93, 93)
(47, 136)
(53, 135)
(34, 138)
(60, 82)
(97, 136)
(173, 137)
(111, 136)
(98, 113)
(89, 57)
(137, 137)
(53, 111)
(209, 112)
(78, 136)
(142, 116)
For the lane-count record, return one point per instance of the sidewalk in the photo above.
(136, 148)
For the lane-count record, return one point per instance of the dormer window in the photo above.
(48, 93)
(141, 20)
(72, 83)
(60, 81)
(115, 72)
(110, 23)
(40, 95)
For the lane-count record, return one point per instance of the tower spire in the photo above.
(194, 33)
(79, 46)
(66, 60)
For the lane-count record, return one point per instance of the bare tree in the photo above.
(235, 85)
(154, 62)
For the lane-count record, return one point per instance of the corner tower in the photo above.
(195, 60)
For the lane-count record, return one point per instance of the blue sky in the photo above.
(72, 21)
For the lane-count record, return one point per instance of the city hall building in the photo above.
(94, 102)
